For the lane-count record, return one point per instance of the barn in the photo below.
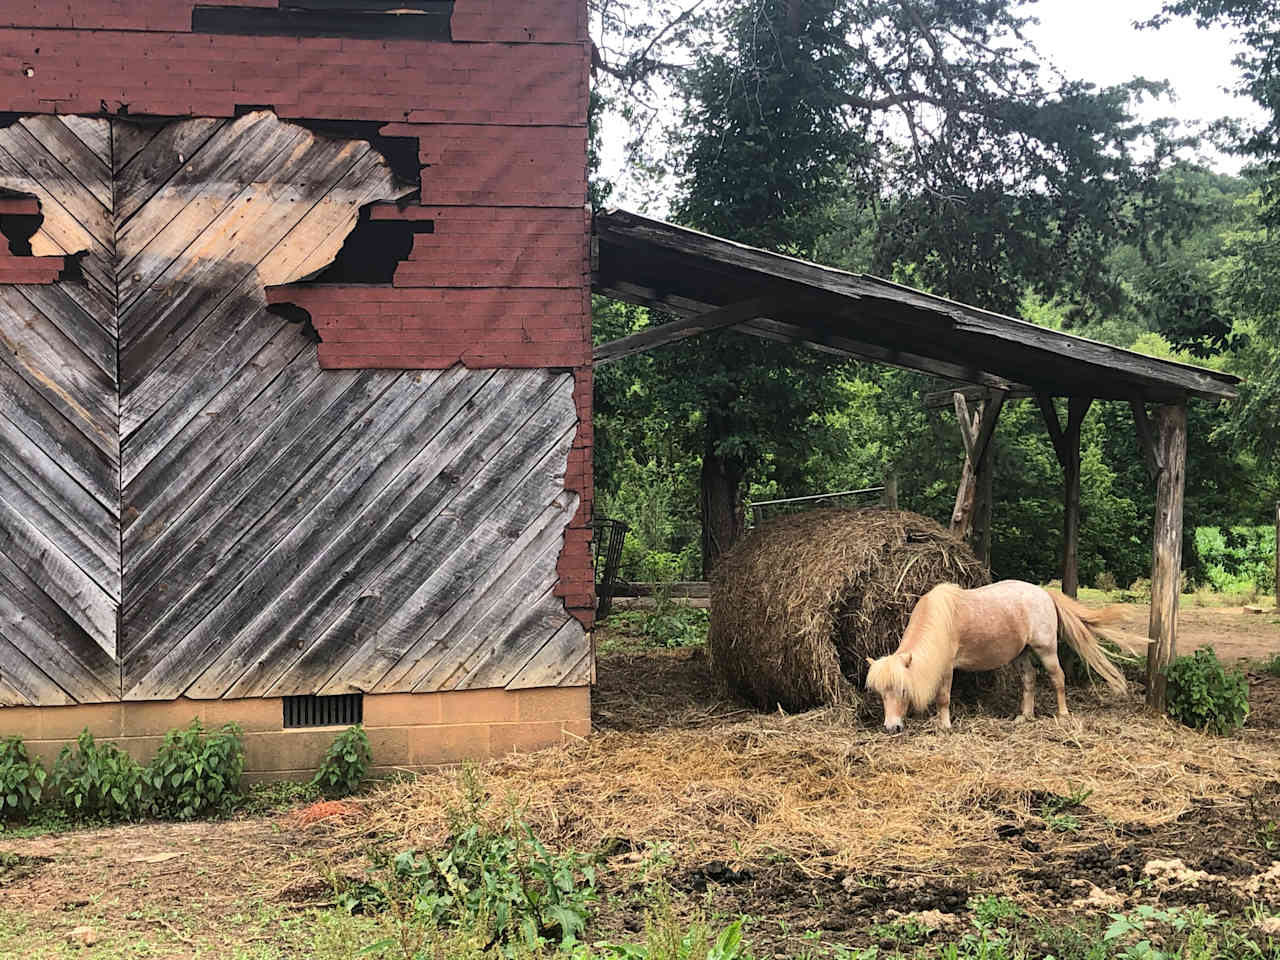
(295, 374)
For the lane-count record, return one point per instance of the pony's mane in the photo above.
(928, 640)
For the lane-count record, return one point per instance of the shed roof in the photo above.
(714, 283)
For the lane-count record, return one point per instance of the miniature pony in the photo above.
(956, 629)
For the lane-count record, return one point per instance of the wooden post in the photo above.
(1170, 441)
(891, 487)
(1278, 556)
(976, 431)
(982, 510)
(1066, 444)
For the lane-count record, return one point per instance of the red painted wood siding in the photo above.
(500, 117)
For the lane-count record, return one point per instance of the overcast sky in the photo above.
(1093, 40)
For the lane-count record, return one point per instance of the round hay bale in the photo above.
(800, 603)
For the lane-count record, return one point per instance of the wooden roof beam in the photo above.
(859, 350)
(689, 326)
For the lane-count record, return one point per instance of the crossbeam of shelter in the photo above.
(711, 284)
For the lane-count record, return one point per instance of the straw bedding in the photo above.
(821, 791)
(798, 605)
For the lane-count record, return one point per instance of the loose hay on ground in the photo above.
(817, 790)
(798, 606)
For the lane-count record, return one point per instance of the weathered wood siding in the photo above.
(263, 526)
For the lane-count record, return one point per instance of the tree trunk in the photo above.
(1166, 548)
(721, 484)
(1278, 556)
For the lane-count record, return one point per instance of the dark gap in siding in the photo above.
(296, 314)
(401, 153)
(431, 20)
(18, 229)
(373, 250)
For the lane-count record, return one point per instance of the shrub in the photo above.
(1105, 581)
(21, 779)
(346, 763)
(675, 625)
(195, 775)
(1202, 695)
(99, 781)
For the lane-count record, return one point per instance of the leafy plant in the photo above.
(1272, 666)
(274, 795)
(99, 781)
(666, 938)
(674, 625)
(346, 763)
(21, 779)
(1053, 810)
(194, 774)
(992, 911)
(1204, 696)
(501, 883)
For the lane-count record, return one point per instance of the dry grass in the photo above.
(815, 788)
(798, 606)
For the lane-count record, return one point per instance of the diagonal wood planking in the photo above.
(263, 527)
(60, 573)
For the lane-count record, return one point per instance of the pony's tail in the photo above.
(1079, 624)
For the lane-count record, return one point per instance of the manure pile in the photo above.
(799, 604)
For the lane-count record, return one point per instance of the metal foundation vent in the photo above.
(311, 711)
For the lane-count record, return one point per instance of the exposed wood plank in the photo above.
(208, 583)
(86, 602)
(37, 161)
(150, 552)
(666, 333)
(20, 675)
(159, 319)
(217, 431)
(85, 166)
(54, 367)
(1166, 549)
(319, 227)
(557, 660)
(68, 315)
(85, 536)
(128, 139)
(437, 576)
(94, 133)
(472, 451)
(55, 644)
(148, 169)
(25, 411)
(439, 604)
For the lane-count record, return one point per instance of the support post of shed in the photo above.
(1066, 444)
(1170, 442)
(1278, 555)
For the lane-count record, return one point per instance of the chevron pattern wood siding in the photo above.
(190, 505)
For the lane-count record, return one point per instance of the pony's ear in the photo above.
(906, 660)
(870, 662)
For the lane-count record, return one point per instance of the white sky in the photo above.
(1092, 40)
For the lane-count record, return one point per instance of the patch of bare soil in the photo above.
(1233, 634)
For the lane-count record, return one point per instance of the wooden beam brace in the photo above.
(1054, 426)
(771, 329)
(1146, 439)
(666, 333)
(938, 399)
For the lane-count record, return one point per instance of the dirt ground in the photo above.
(256, 888)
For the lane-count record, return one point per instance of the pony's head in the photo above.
(889, 677)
